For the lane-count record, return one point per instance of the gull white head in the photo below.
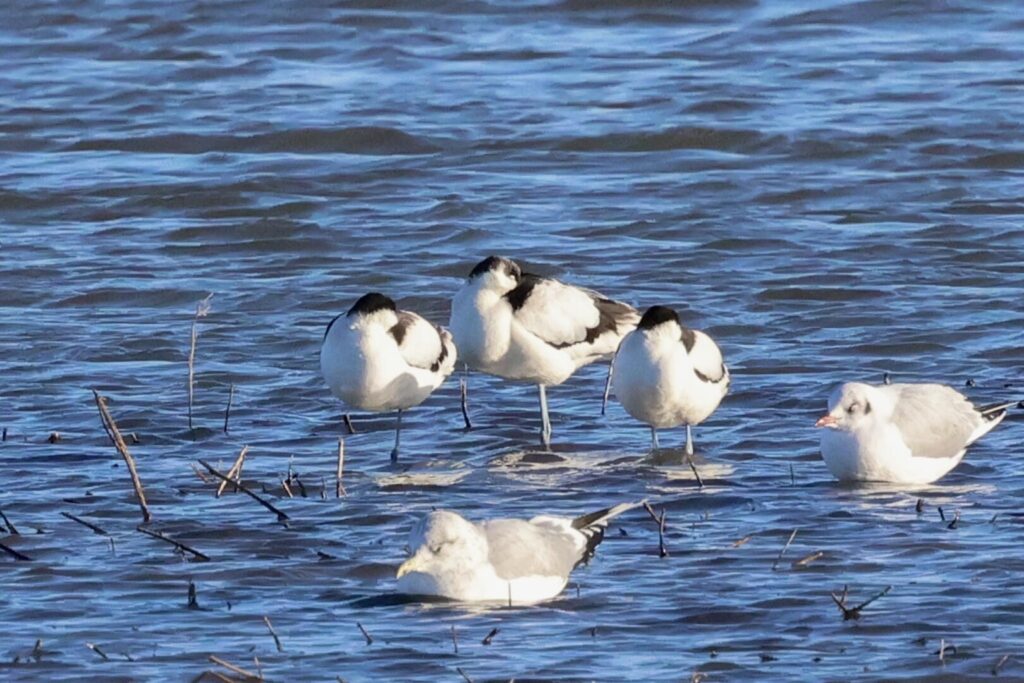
(496, 273)
(441, 540)
(851, 404)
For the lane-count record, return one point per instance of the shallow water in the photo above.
(832, 190)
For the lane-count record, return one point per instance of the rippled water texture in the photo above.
(833, 190)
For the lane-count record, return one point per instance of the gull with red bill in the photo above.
(900, 433)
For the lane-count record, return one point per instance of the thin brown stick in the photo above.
(660, 521)
(281, 517)
(490, 636)
(115, 436)
(775, 565)
(463, 674)
(235, 472)
(233, 667)
(369, 638)
(999, 665)
(200, 474)
(95, 529)
(202, 308)
(219, 676)
(339, 488)
(743, 541)
(348, 424)
(807, 559)
(227, 410)
(180, 546)
(287, 489)
(854, 612)
(14, 553)
(7, 523)
(270, 627)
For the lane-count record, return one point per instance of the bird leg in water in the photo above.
(464, 391)
(654, 438)
(608, 384)
(398, 438)
(348, 424)
(689, 440)
(545, 421)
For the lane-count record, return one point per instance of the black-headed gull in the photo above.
(533, 329)
(900, 433)
(666, 374)
(508, 561)
(378, 358)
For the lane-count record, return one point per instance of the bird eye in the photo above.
(435, 549)
(853, 408)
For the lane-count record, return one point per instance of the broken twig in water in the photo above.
(281, 517)
(942, 515)
(339, 488)
(96, 648)
(455, 640)
(235, 473)
(854, 612)
(807, 559)
(463, 674)
(999, 665)
(273, 633)
(490, 636)
(693, 468)
(743, 541)
(919, 508)
(369, 638)
(660, 521)
(956, 520)
(14, 553)
(348, 423)
(782, 552)
(193, 597)
(115, 435)
(202, 309)
(90, 525)
(227, 410)
(7, 523)
(177, 544)
(233, 668)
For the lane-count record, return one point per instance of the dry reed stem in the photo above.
(775, 564)
(270, 627)
(235, 472)
(281, 517)
(95, 529)
(227, 411)
(7, 523)
(234, 668)
(14, 553)
(180, 546)
(202, 309)
(115, 435)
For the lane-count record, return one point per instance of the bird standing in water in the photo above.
(378, 358)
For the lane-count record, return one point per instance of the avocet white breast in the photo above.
(533, 329)
(378, 358)
(900, 433)
(504, 561)
(667, 375)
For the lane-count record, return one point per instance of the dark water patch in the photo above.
(716, 139)
(820, 294)
(368, 140)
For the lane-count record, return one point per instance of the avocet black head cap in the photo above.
(371, 303)
(656, 315)
(499, 264)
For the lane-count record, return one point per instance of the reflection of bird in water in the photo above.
(533, 329)
(900, 433)
(378, 358)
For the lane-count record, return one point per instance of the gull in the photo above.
(509, 561)
(900, 433)
(666, 374)
(533, 329)
(378, 358)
